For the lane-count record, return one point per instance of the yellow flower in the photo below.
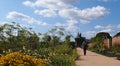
(18, 59)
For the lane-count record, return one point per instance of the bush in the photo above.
(65, 56)
(64, 59)
(61, 60)
(63, 49)
(18, 59)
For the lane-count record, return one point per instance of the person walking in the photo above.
(85, 46)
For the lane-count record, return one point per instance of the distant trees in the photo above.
(118, 34)
(14, 36)
(100, 37)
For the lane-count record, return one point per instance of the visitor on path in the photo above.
(85, 46)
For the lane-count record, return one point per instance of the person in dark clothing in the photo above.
(85, 46)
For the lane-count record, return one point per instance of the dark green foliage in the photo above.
(62, 60)
(118, 34)
(13, 36)
(67, 39)
(63, 49)
(100, 37)
(65, 57)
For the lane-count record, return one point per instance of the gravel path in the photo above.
(93, 59)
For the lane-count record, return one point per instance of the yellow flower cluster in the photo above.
(18, 59)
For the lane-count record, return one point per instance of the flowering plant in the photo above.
(18, 59)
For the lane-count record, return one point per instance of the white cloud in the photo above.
(20, 16)
(108, 0)
(46, 13)
(69, 13)
(72, 25)
(23, 17)
(42, 23)
(65, 9)
(118, 26)
(28, 3)
(85, 15)
(89, 34)
(104, 0)
(4, 22)
(93, 13)
(104, 27)
(106, 30)
(70, 1)
(60, 24)
(109, 26)
(98, 27)
(50, 4)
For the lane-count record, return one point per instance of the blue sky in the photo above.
(86, 16)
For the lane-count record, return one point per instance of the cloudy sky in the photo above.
(86, 16)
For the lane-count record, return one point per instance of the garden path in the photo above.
(94, 59)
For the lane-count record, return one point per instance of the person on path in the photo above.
(85, 46)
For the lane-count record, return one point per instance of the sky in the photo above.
(88, 17)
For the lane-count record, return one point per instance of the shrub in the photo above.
(18, 59)
(118, 34)
(63, 60)
(60, 60)
(63, 49)
(64, 56)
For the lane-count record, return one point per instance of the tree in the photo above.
(67, 39)
(118, 34)
(34, 41)
(14, 36)
(56, 34)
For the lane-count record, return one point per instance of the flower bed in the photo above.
(18, 59)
